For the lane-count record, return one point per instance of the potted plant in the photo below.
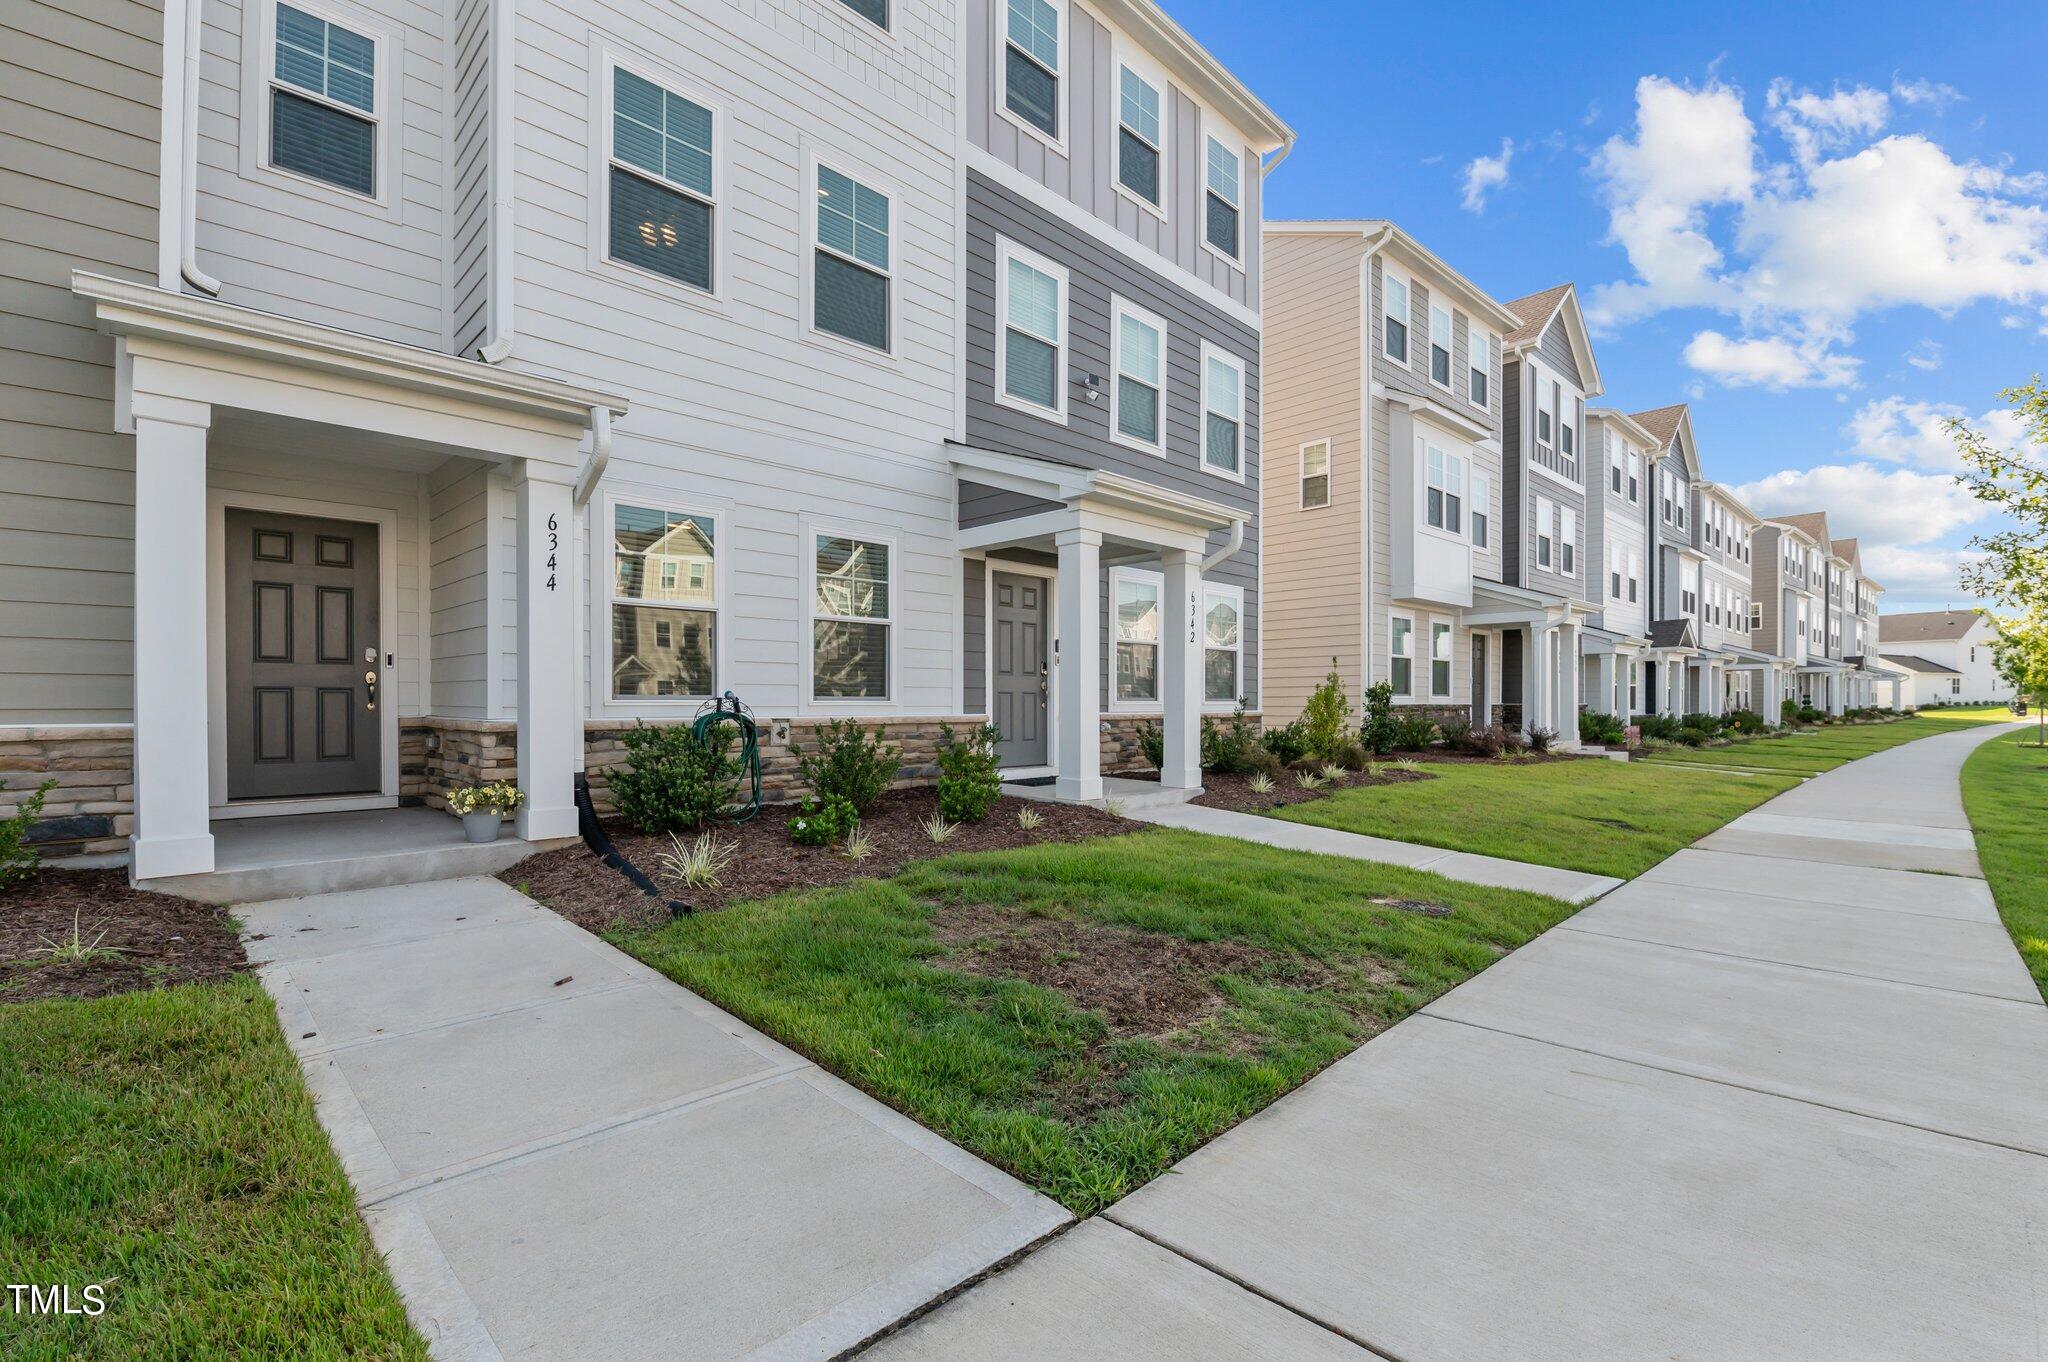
(483, 807)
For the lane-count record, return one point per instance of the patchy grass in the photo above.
(161, 1143)
(2005, 791)
(1084, 1015)
(1601, 817)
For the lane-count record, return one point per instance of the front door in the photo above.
(1482, 703)
(302, 664)
(1017, 629)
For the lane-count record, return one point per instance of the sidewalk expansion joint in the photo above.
(489, 1014)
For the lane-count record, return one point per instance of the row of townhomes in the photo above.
(408, 390)
(1464, 521)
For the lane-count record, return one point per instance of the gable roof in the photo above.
(1382, 235)
(1920, 664)
(1538, 310)
(1661, 422)
(1927, 626)
(1672, 634)
(1812, 524)
(1622, 421)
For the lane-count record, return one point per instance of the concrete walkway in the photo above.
(1786, 1097)
(563, 1154)
(1573, 886)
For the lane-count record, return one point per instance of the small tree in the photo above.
(1381, 730)
(2020, 653)
(1327, 713)
(2014, 568)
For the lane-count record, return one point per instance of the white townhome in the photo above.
(1946, 656)
(1618, 501)
(416, 386)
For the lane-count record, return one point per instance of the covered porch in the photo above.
(1611, 667)
(293, 486)
(1069, 527)
(1668, 667)
(1541, 640)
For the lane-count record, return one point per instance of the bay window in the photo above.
(1445, 478)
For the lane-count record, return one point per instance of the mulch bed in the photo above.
(153, 939)
(583, 889)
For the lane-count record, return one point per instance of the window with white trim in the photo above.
(1439, 344)
(852, 617)
(1137, 598)
(1635, 476)
(663, 631)
(1546, 512)
(1635, 678)
(1138, 401)
(1315, 475)
(1482, 507)
(1614, 561)
(1444, 476)
(1546, 418)
(1568, 541)
(853, 227)
(324, 119)
(1222, 644)
(1031, 321)
(1635, 574)
(1478, 366)
(875, 12)
(1401, 654)
(1140, 143)
(1394, 310)
(1567, 423)
(1222, 173)
(1222, 413)
(1614, 465)
(661, 181)
(1032, 69)
(1439, 660)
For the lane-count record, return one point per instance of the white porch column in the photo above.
(1774, 696)
(1716, 682)
(1567, 724)
(550, 729)
(1605, 700)
(1537, 697)
(172, 836)
(1077, 746)
(1180, 670)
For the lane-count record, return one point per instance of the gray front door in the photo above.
(302, 664)
(1482, 707)
(1017, 623)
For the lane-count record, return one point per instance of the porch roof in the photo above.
(1078, 488)
(1498, 603)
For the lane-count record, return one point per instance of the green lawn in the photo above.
(161, 1143)
(1823, 749)
(1602, 817)
(1278, 962)
(2005, 790)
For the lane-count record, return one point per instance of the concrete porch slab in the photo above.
(1939, 1060)
(1132, 794)
(1477, 1197)
(1910, 948)
(1838, 851)
(1845, 886)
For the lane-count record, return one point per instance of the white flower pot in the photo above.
(481, 826)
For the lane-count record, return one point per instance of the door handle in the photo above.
(370, 681)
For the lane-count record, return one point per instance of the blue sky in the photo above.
(1828, 224)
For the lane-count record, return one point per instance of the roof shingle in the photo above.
(1926, 626)
(1534, 311)
(1661, 422)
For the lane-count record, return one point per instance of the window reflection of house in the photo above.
(664, 598)
(850, 619)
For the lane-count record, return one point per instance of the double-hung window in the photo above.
(1222, 644)
(1546, 419)
(1315, 475)
(1482, 507)
(1614, 561)
(1567, 424)
(851, 271)
(1032, 320)
(1138, 630)
(1635, 476)
(1439, 660)
(1439, 344)
(664, 602)
(1394, 313)
(661, 181)
(1568, 541)
(1614, 470)
(1664, 491)
(1031, 63)
(1635, 576)
(1478, 365)
(1546, 512)
(1222, 173)
(1222, 413)
(1445, 477)
(1137, 405)
(1401, 654)
(851, 619)
(324, 121)
(1140, 144)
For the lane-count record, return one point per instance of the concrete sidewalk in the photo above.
(1783, 1099)
(1573, 886)
(563, 1154)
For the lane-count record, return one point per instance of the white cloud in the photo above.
(1776, 362)
(1926, 356)
(1692, 151)
(1930, 93)
(1895, 430)
(1885, 506)
(1812, 124)
(1910, 576)
(2012, 321)
(1484, 174)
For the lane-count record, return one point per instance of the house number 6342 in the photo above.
(1194, 624)
(554, 545)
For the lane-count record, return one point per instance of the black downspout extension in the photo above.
(601, 846)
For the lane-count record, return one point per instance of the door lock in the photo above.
(370, 681)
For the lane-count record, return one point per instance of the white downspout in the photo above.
(600, 455)
(1230, 547)
(178, 156)
(504, 52)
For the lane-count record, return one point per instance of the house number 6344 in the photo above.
(554, 545)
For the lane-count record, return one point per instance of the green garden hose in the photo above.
(728, 709)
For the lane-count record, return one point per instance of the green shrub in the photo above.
(1413, 732)
(1788, 710)
(823, 822)
(1542, 739)
(1711, 723)
(1286, 744)
(969, 783)
(1481, 740)
(1694, 736)
(1152, 745)
(1233, 748)
(1662, 727)
(1807, 714)
(1326, 715)
(1745, 721)
(1352, 756)
(18, 858)
(849, 764)
(1604, 729)
(672, 780)
(1379, 731)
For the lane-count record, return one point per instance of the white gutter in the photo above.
(178, 156)
(600, 455)
(1268, 167)
(1365, 401)
(504, 51)
(1230, 547)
